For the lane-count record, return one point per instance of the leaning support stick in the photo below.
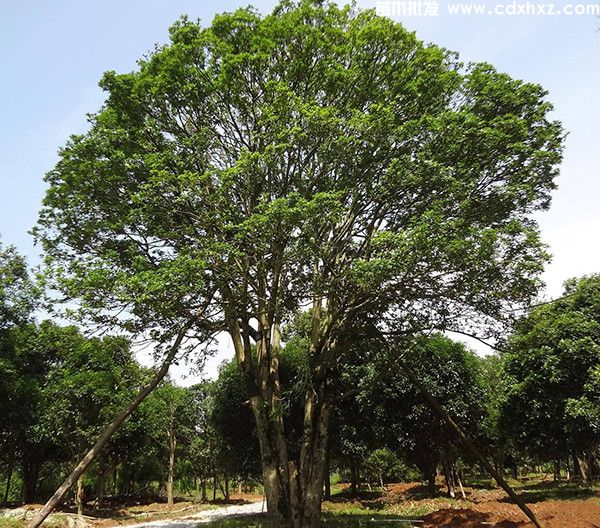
(108, 432)
(469, 445)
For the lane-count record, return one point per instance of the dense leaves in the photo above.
(551, 405)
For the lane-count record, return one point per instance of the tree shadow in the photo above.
(366, 520)
(543, 491)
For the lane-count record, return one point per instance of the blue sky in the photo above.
(54, 52)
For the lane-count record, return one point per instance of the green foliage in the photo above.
(323, 148)
(234, 439)
(384, 465)
(18, 293)
(401, 417)
(551, 369)
(83, 389)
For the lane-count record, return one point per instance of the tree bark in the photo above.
(115, 480)
(448, 474)
(109, 431)
(79, 495)
(293, 488)
(431, 488)
(30, 478)
(100, 484)
(458, 480)
(203, 487)
(170, 475)
(585, 468)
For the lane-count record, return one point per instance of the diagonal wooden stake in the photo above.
(469, 445)
(108, 432)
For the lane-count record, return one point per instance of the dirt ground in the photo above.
(555, 507)
(562, 506)
(552, 514)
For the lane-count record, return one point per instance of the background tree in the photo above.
(235, 443)
(403, 417)
(81, 391)
(175, 422)
(316, 156)
(551, 368)
(20, 370)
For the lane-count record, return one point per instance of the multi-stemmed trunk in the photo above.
(293, 488)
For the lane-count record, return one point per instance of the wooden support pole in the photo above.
(108, 432)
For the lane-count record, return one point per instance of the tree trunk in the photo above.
(79, 495)
(115, 480)
(100, 484)
(458, 480)
(354, 477)
(172, 447)
(431, 488)
(226, 487)
(132, 481)
(585, 468)
(214, 488)
(109, 431)
(448, 474)
(293, 488)
(203, 486)
(30, 479)
(327, 482)
(11, 467)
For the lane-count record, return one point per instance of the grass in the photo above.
(405, 509)
(328, 521)
(11, 522)
(55, 521)
(543, 491)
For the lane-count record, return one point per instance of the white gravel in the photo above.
(204, 516)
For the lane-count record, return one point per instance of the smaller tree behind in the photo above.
(451, 374)
(551, 369)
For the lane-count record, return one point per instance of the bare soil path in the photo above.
(204, 516)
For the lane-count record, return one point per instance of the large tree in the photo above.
(318, 156)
